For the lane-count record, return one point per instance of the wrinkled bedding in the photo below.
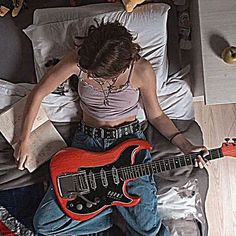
(177, 104)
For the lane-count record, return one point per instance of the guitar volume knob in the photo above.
(89, 205)
(97, 199)
(79, 207)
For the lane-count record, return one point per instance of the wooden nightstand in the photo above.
(217, 30)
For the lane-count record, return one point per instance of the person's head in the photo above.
(107, 50)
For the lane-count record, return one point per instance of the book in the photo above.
(45, 140)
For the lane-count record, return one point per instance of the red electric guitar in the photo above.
(85, 182)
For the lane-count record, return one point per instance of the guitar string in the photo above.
(130, 170)
(159, 162)
(162, 165)
(162, 162)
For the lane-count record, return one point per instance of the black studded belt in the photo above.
(112, 133)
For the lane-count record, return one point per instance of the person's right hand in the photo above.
(22, 154)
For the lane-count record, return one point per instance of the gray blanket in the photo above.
(11, 177)
(162, 148)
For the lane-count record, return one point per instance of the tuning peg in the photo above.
(227, 140)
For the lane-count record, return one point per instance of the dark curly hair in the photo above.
(107, 50)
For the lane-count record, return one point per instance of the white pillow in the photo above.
(53, 31)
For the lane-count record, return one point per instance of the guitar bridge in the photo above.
(73, 184)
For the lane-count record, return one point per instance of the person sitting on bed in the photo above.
(113, 77)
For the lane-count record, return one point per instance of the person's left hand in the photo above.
(200, 161)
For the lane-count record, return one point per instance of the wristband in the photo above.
(174, 135)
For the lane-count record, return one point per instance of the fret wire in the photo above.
(153, 168)
(130, 172)
(169, 163)
(124, 173)
(143, 170)
(138, 169)
(174, 162)
(122, 170)
(148, 169)
(188, 159)
(158, 166)
(214, 154)
(177, 165)
(135, 171)
(211, 154)
(179, 161)
(220, 152)
(162, 165)
(185, 161)
(182, 160)
(165, 162)
(193, 157)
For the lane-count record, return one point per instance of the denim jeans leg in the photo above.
(51, 220)
(144, 218)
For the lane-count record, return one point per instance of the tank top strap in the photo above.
(80, 72)
(130, 72)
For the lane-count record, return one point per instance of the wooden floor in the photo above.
(218, 122)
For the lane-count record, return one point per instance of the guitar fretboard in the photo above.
(157, 166)
(82, 180)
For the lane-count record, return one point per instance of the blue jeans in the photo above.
(142, 219)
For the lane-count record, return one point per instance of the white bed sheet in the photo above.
(49, 35)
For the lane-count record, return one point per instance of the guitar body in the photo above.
(85, 182)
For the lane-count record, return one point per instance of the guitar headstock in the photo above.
(229, 148)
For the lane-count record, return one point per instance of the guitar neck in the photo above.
(157, 166)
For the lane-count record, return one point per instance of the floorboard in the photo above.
(218, 122)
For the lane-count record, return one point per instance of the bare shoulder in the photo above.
(143, 72)
(71, 60)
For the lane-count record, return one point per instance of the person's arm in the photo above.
(50, 81)
(155, 115)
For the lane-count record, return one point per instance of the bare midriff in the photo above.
(90, 121)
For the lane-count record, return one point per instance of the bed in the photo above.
(181, 192)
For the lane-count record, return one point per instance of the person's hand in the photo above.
(200, 161)
(22, 154)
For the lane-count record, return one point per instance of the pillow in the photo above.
(53, 31)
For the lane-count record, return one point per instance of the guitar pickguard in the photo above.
(106, 189)
(86, 182)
